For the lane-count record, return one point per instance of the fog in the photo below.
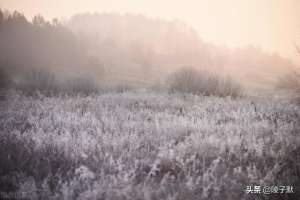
(271, 24)
(136, 99)
(126, 49)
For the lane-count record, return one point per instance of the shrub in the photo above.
(79, 85)
(37, 80)
(291, 83)
(228, 87)
(4, 79)
(47, 83)
(200, 82)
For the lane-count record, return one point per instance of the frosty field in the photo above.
(147, 145)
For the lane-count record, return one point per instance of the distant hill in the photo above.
(155, 47)
(126, 48)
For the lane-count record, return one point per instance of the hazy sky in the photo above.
(272, 24)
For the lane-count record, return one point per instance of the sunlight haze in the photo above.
(273, 25)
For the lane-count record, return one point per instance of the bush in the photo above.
(291, 83)
(47, 83)
(4, 79)
(37, 80)
(79, 85)
(228, 87)
(200, 82)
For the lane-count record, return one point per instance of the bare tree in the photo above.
(190, 80)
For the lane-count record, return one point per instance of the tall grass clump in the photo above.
(189, 80)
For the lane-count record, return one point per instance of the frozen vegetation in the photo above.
(147, 145)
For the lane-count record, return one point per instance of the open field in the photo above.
(147, 145)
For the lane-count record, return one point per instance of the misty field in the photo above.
(147, 145)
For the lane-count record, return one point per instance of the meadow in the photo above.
(147, 145)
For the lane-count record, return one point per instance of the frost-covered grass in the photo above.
(138, 145)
